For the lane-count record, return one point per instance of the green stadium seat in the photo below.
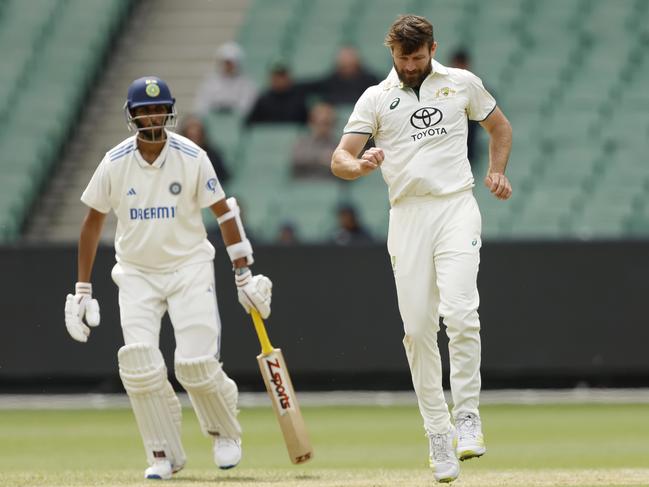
(579, 123)
(571, 77)
(369, 195)
(224, 130)
(638, 226)
(310, 206)
(48, 56)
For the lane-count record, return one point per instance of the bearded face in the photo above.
(413, 68)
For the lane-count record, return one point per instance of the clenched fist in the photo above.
(499, 185)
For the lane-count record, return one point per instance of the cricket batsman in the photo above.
(156, 182)
(418, 119)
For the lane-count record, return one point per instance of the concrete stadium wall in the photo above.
(552, 314)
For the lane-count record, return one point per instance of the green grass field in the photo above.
(568, 445)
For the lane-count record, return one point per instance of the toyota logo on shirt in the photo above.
(425, 118)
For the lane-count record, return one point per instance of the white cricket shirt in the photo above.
(158, 206)
(423, 137)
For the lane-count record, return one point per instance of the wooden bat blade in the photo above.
(282, 395)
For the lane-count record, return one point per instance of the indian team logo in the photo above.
(175, 188)
(152, 89)
(395, 103)
(425, 117)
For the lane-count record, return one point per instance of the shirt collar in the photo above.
(160, 160)
(439, 68)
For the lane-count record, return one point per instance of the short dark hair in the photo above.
(410, 32)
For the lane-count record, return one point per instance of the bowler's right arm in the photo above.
(344, 162)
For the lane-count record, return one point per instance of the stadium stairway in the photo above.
(162, 37)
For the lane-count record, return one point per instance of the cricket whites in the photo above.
(282, 395)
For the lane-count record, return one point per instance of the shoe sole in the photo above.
(469, 454)
(447, 481)
(228, 467)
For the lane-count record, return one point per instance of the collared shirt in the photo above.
(158, 206)
(423, 135)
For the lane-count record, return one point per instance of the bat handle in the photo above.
(266, 347)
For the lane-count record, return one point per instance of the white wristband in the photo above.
(83, 288)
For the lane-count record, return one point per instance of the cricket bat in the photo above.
(282, 395)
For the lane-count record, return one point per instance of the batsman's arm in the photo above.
(81, 310)
(254, 292)
(344, 162)
(88, 242)
(229, 230)
(500, 146)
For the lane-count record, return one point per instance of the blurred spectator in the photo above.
(312, 151)
(287, 234)
(347, 82)
(350, 231)
(227, 89)
(192, 127)
(282, 102)
(461, 59)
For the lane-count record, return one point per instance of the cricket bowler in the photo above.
(418, 118)
(156, 182)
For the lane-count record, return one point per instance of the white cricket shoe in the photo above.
(470, 443)
(443, 461)
(160, 470)
(227, 452)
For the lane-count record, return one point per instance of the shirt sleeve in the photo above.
(209, 187)
(97, 193)
(363, 118)
(481, 103)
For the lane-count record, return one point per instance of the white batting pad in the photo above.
(213, 394)
(155, 405)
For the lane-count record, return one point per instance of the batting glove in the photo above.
(253, 291)
(81, 312)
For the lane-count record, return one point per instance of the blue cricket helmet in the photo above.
(149, 90)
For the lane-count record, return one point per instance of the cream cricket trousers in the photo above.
(434, 244)
(187, 294)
